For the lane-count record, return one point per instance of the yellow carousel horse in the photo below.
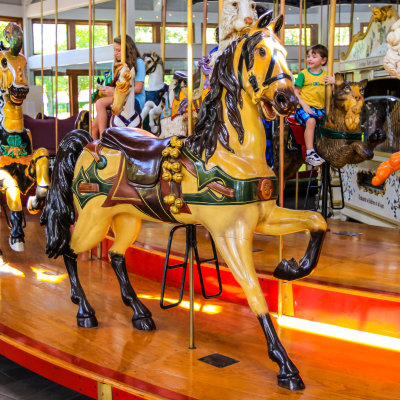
(20, 166)
(217, 177)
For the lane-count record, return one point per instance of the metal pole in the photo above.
(220, 7)
(123, 31)
(300, 32)
(351, 19)
(42, 62)
(331, 54)
(192, 236)
(164, 21)
(117, 18)
(305, 33)
(204, 33)
(56, 72)
(90, 65)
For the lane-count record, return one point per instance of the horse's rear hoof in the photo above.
(16, 244)
(291, 383)
(144, 324)
(288, 270)
(87, 322)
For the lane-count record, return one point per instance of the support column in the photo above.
(130, 18)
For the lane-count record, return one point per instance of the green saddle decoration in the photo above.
(90, 176)
(245, 190)
(322, 131)
(15, 149)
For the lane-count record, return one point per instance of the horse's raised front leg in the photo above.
(237, 253)
(126, 229)
(86, 316)
(281, 221)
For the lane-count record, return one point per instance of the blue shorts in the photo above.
(303, 117)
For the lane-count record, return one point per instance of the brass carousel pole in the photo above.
(90, 65)
(42, 61)
(190, 131)
(117, 18)
(351, 20)
(164, 21)
(123, 31)
(56, 71)
(305, 33)
(331, 55)
(204, 33)
(220, 7)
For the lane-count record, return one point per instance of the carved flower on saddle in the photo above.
(15, 148)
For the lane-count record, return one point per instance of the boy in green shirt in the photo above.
(310, 90)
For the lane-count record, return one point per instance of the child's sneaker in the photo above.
(314, 159)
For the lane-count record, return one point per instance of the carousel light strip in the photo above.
(338, 332)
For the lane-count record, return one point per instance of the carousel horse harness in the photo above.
(149, 177)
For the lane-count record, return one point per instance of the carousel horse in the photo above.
(155, 91)
(339, 140)
(123, 109)
(20, 166)
(218, 177)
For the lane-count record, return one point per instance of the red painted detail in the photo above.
(17, 354)
(50, 371)
(347, 310)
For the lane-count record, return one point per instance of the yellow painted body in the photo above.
(231, 226)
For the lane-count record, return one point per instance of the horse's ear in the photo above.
(264, 20)
(339, 79)
(277, 24)
(362, 84)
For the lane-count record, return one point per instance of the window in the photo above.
(176, 34)
(342, 36)
(292, 36)
(71, 34)
(101, 36)
(49, 35)
(144, 33)
(210, 36)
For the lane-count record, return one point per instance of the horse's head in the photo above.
(262, 69)
(237, 16)
(151, 60)
(348, 101)
(13, 65)
(122, 88)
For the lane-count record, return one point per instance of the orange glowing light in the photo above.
(48, 276)
(8, 270)
(338, 332)
(207, 308)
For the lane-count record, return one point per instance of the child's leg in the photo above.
(101, 108)
(309, 133)
(95, 129)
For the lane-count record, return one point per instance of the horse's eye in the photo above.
(261, 52)
(235, 4)
(253, 6)
(4, 62)
(347, 89)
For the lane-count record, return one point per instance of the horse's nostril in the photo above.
(281, 100)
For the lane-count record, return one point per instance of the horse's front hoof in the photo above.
(287, 270)
(87, 322)
(144, 324)
(291, 383)
(16, 244)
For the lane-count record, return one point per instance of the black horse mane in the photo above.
(210, 127)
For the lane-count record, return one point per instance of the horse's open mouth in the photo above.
(268, 111)
(18, 94)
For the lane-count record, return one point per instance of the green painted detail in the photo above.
(15, 148)
(245, 190)
(90, 176)
(322, 131)
(102, 163)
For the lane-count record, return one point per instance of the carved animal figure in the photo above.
(391, 62)
(386, 168)
(20, 166)
(217, 177)
(344, 118)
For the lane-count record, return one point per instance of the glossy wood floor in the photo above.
(331, 369)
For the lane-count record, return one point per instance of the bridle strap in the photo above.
(276, 78)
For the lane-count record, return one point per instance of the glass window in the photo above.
(342, 36)
(49, 98)
(143, 34)
(292, 36)
(3, 24)
(210, 36)
(82, 36)
(83, 91)
(49, 34)
(176, 34)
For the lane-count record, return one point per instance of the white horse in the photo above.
(154, 90)
(123, 108)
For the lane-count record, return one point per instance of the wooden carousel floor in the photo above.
(38, 316)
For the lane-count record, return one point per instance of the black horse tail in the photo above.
(59, 213)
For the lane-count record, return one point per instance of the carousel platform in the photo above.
(38, 327)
